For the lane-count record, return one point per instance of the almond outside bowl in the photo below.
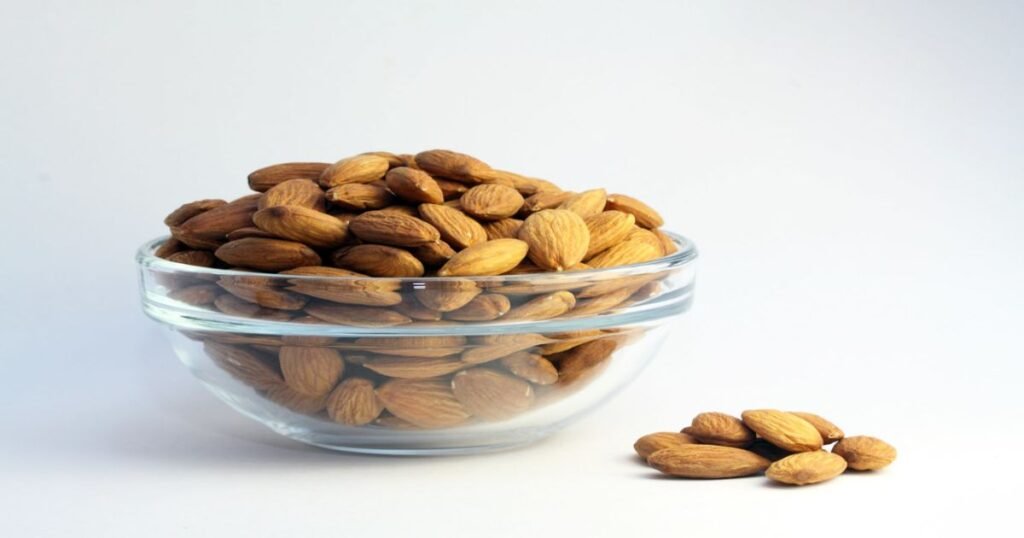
(432, 374)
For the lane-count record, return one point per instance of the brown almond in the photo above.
(299, 191)
(625, 253)
(584, 360)
(451, 189)
(198, 295)
(491, 202)
(645, 216)
(531, 367)
(265, 178)
(210, 227)
(720, 429)
(451, 165)
(489, 258)
(830, 433)
(566, 341)
(313, 371)
(427, 403)
(262, 291)
(198, 258)
(707, 461)
(806, 468)
(784, 430)
(393, 229)
(864, 453)
(525, 185)
(491, 395)
(414, 185)
(394, 160)
(412, 346)
(646, 236)
(484, 307)
(603, 303)
(360, 196)
(668, 245)
(267, 254)
(249, 231)
(378, 260)
(343, 286)
(285, 396)
(456, 228)
(587, 203)
(414, 367)
(607, 228)
(191, 209)
(417, 311)
(434, 253)
(545, 200)
(357, 316)
(446, 296)
(244, 365)
(493, 347)
(357, 169)
(302, 224)
(404, 210)
(653, 442)
(168, 247)
(354, 402)
(543, 307)
(557, 238)
(503, 229)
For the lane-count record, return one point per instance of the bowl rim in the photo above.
(145, 257)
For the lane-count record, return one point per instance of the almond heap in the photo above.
(785, 446)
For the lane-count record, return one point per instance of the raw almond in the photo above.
(302, 224)
(864, 453)
(414, 367)
(531, 367)
(191, 209)
(197, 295)
(645, 216)
(393, 229)
(484, 307)
(417, 311)
(491, 202)
(213, 225)
(414, 185)
(646, 236)
(707, 461)
(525, 185)
(360, 196)
(587, 203)
(503, 228)
(434, 253)
(427, 403)
(299, 191)
(264, 179)
(545, 200)
(243, 365)
(720, 429)
(558, 239)
(412, 346)
(394, 161)
(342, 286)
(625, 253)
(354, 402)
(653, 442)
(358, 316)
(784, 430)
(451, 189)
(456, 228)
(491, 395)
(447, 295)
(267, 254)
(313, 371)
(378, 260)
(489, 258)
(584, 360)
(543, 307)
(830, 433)
(451, 165)
(493, 347)
(357, 169)
(607, 229)
(198, 258)
(249, 231)
(569, 340)
(806, 468)
(262, 291)
(290, 398)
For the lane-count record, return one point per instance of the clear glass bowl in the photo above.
(417, 365)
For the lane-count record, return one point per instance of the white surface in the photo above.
(852, 173)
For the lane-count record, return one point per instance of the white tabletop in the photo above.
(851, 175)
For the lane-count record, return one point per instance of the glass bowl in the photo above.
(425, 365)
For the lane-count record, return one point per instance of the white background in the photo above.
(851, 171)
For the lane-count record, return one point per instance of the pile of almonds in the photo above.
(786, 446)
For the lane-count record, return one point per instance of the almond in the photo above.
(412, 346)
(378, 260)
(456, 228)
(720, 429)
(646, 236)
(234, 306)
(393, 229)
(489, 258)
(414, 367)
(493, 347)
(525, 185)
(354, 402)
(286, 396)
(264, 179)
(557, 238)
(491, 202)
(707, 461)
(357, 316)
(830, 433)
(267, 254)
(394, 161)
(603, 303)
(249, 231)
(427, 403)
(414, 185)
(451, 189)
(503, 229)
(668, 245)
(198, 258)
(784, 430)
(625, 253)
(806, 468)
(243, 365)
(342, 286)
(447, 295)
(485, 307)
(451, 165)
(168, 247)
(587, 203)
(653, 442)
(434, 253)
(299, 191)
(197, 295)
(569, 340)
(545, 200)
(645, 216)
(584, 360)
(543, 307)
(360, 196)
(213, 225)
(607, 229)
(864, 453)
(357, 169)
(262, 291)
(417, 311)
(491, 395)
(531, 367)
(313, 371)
(302, 224)
(191, 209)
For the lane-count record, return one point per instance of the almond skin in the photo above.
(433, 254)
(198, 258)
(491, 202)
(503, 228)
(414, 367)
(378, 260)
(357, 169)
(267, 254)
(357, 316)
(587, 203)
(830, 433)
(456, 228)
(653, 442)
(720, 429)
(244, 365)
(262, 291)
(525, 185)
(625, 253)
(483, 307)
(265, 178)
(300, 192)
(607, 229)
(451, 189)
(531, 367)
(313, 371)
(806, 468)
(557, 238)
(784, 430)
(284, 395)
(645, 216)
(446, 296)
(354, 402)
(707, 461)
(198, 295)
(414, 185)
(191, 209)
(212, 226)
(583, 360)
(491, 395)
(543, 307)
(302, 224)
(545, 200)
(451, 165)
(350, 288)
(360, 196)
(427, 403)
(489, 258)
(393, 229)
(864, 453)
(489, 348)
